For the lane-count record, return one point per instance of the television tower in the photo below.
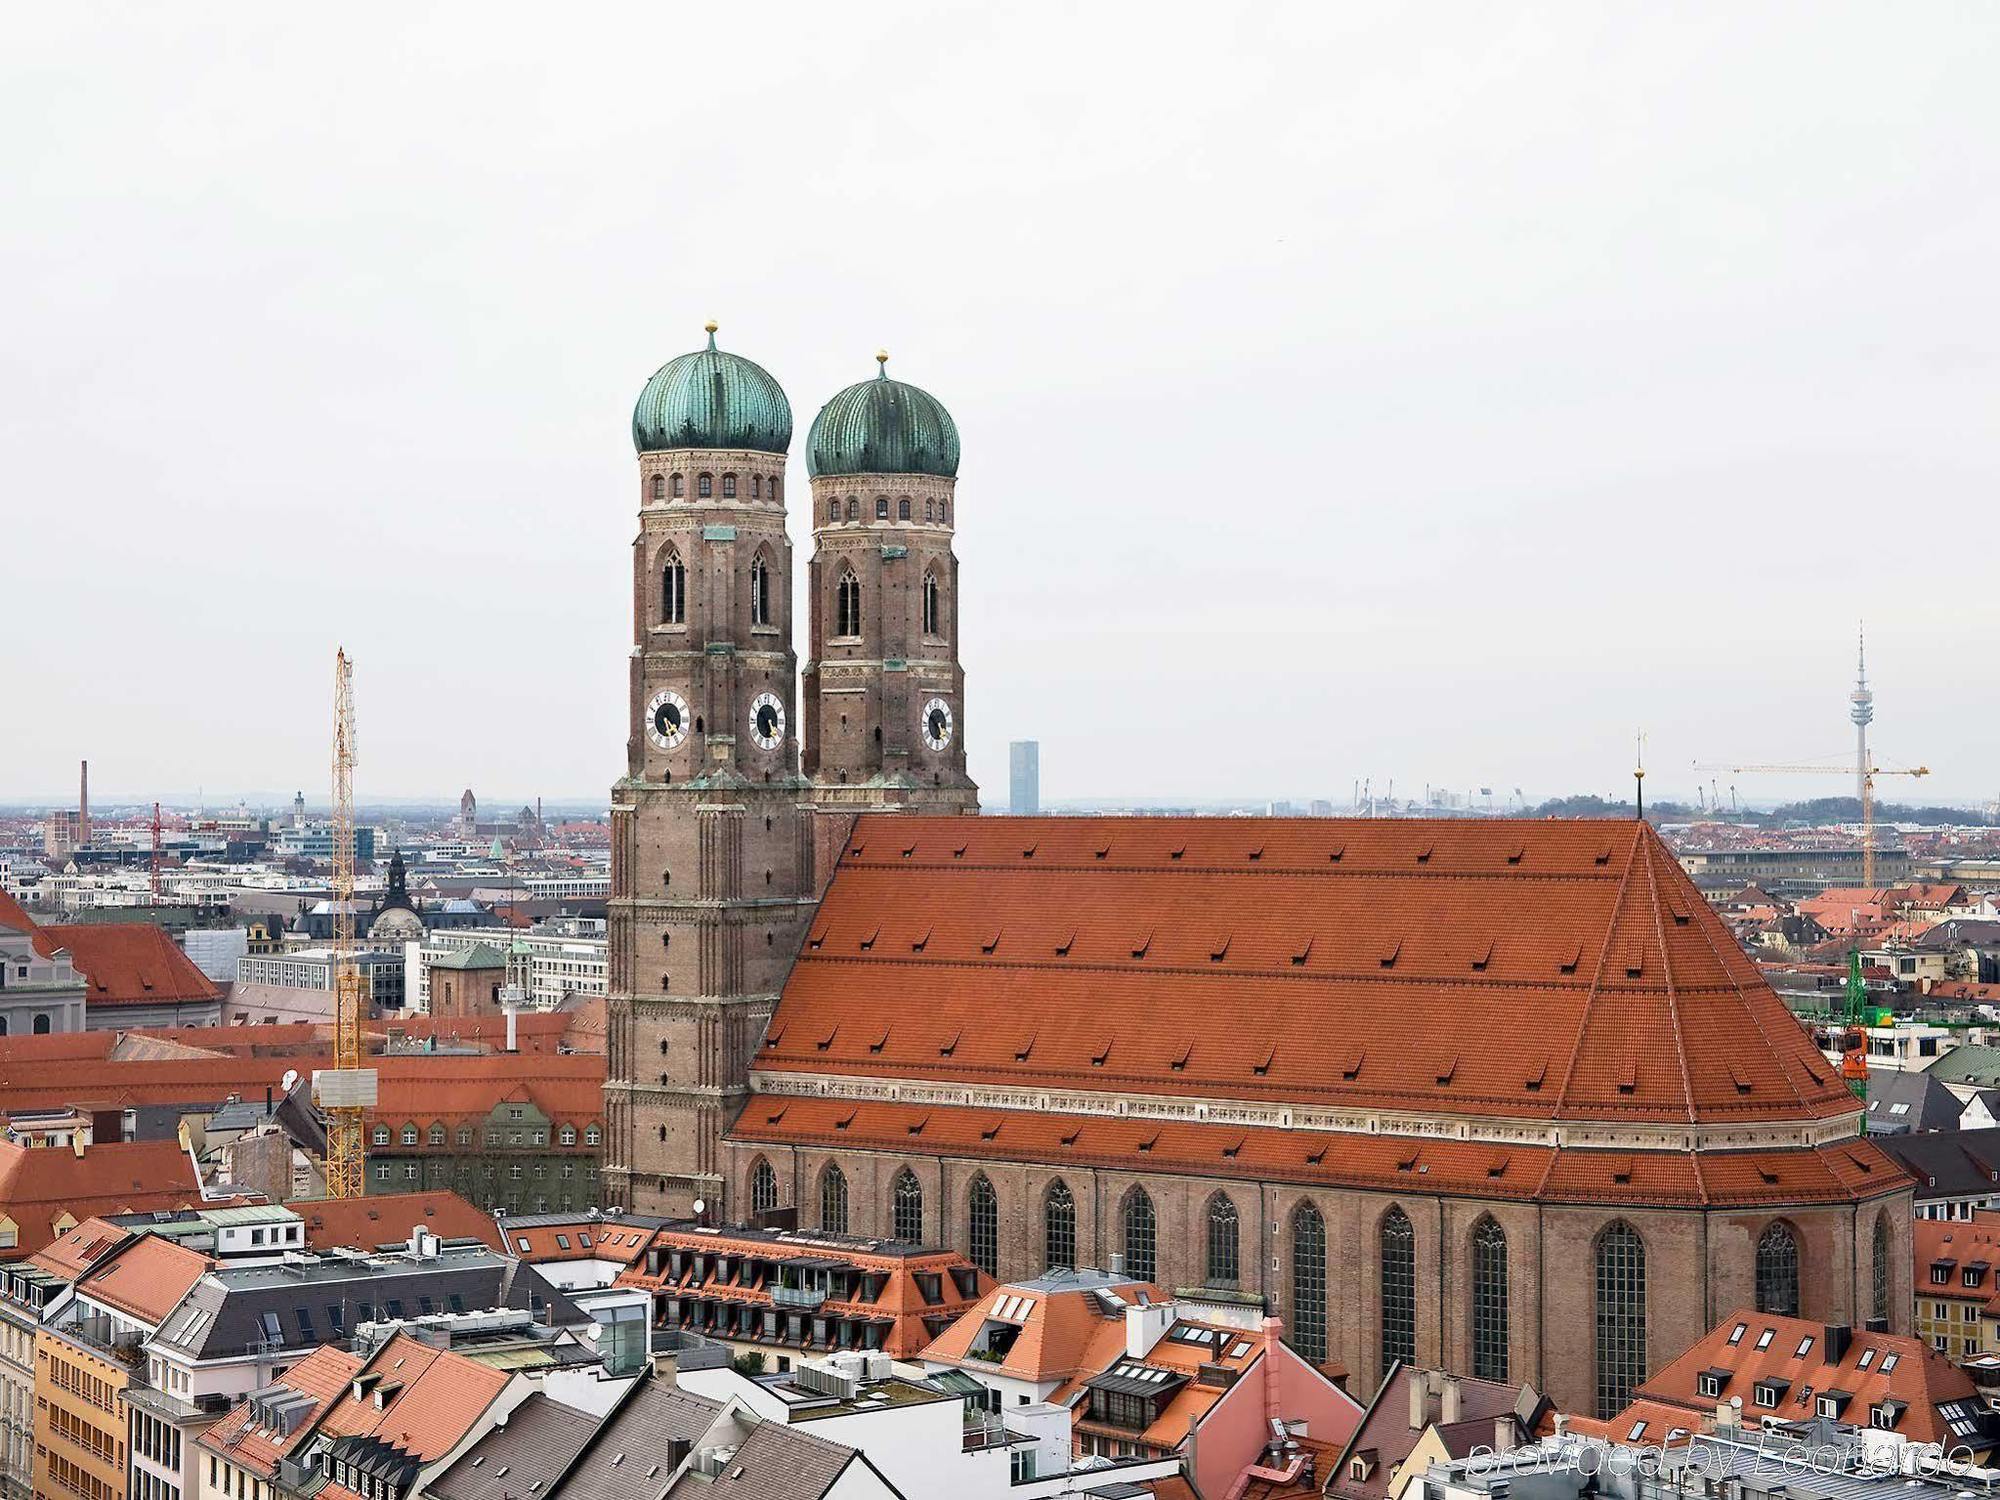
(1862, 713)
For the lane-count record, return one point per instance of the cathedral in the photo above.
(1499, 1096)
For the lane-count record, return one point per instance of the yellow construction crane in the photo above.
(346, 1091)
(1867, 799)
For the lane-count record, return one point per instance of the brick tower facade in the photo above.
(884, 691)
(711, 825)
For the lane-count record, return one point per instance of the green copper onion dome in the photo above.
(710, 399)
(883, 426)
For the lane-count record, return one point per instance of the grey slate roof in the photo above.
(240, 1309)
(774, 1462)
(1949, 1163)
(538, 1442)
(1925, 1103)
(1977, 1065)
(627, 1459)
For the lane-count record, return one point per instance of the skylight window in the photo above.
(1736, 1334)
(1764, 1338)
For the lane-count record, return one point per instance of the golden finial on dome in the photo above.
(711, 325)
(882, 364)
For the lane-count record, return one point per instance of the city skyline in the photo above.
(1496, 390)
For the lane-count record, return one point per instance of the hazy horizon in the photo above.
(1440, 394)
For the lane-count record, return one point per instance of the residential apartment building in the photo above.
(1958, 1271)
(550, 963)
(81, 1417)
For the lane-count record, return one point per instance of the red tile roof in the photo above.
(1873, 1368)
(440, 1396)
(365, 1223)
(323, 1374)
(1849, 1170)
(1553, 970)
(39, 1185)
(146, 1279)
(131, 963)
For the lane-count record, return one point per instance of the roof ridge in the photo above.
(1596, 979)
(1649, 839)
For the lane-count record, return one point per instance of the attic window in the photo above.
(1103, 851)
(1333, 854)
(1027, 1045)
(1351, 1069)
(775, 1117)
(1737, 1077)
(818, 937)
(1424, 855)
(1103, 1051)
(1482, 956)
(959, 852)
(1316, 1158)
(1628, 1076)
(1621, 1169)
(1139, 948)
(1635, 961)
(1180, 1060)
(1407, 1162)
(917, 1126)
(1231, 1152)
(1603, 856)
(880, 1042)
(1678, 911)
(1029, 852)
(844, 1121)
(992, 941)
(1497, 1167)
(1537, 1071)
(1764, 1171)
(868, 942)
(1514, 854)
(1264, 1067)
(1177, 853)
(949, 1045)
(917, 945)
(1062, 948)
(1568, 965)
(776, 1035)
(1149, 1142)
(1447, 1066)
(1301, 953)
(1070, 1139)
(989, 1132)
(826, 1041)
(1219, 949)
(908, 850)
(856, 850)
(1258, 852)
(1388, 954)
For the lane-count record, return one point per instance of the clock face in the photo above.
(767, 722)
(667, 720)
(937, 723)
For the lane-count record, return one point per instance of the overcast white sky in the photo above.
(1425, 391)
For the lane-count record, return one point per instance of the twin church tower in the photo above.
(738, 796)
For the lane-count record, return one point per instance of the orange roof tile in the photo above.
(39, 1185)
(1561, 970)
(131, 963)
(323, 1374)
(146, 1278)
(379, 1219)
(440, 1396)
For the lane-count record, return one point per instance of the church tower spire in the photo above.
(884, 691)
(711, 868)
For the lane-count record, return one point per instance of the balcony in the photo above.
(806, 1298)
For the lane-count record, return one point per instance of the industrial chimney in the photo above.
(83, 807)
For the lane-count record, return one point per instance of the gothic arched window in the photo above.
(1059, 1225)
(1398, 1271)
(1489, 1301)
(680, 485)
(1142, 1236)
(847, 605)
(763, 1187)
(729, 486)
(930, 511)
(704, 485)
(853, 509)
(1778, 1271)
(1222, 1268)
(833, 510)
(907, 1207)
(673, 589)
(930, 603)
(659, 486)
(833, 1200)
(982, 1225)
(1309, 1282)
(756, 486)
(1621, 1317)
(760, 592)
(903, 508)
(1880, 1300)
(881, 507)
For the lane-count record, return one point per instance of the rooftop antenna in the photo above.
(1639, 773)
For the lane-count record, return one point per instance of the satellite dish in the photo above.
(290, 1080)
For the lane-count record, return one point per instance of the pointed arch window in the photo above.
(903, 508)
(833, 510)
(760, 591)
(1398, 1272)
(1778, 1270)
(1620, 1317)
(1309, 1281)
(704, 486)
(1489, 1301)
(847, 605)
(881, 507)
(729, 486)
(1059, 1225)
(1222, 1267)
(1880, 1300)
(680, 486)
(833, 1200)
(930, 511)
(756, 486)
(1142, 1236)
(930, 603)
(853, 509)
(763, 1187)
(673, 589)
(907, 1207)
(982, 1225)
(659, 486)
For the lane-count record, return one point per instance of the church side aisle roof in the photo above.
(1537, 971)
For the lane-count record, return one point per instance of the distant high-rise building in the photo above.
(1024, 778)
